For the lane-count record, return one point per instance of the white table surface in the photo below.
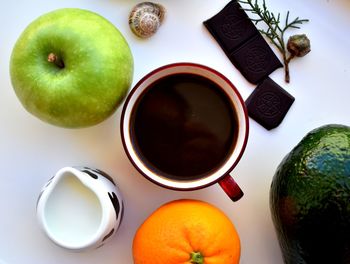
(32, 151)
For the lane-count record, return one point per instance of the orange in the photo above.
(186, 232)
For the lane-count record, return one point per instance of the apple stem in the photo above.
(56, 60)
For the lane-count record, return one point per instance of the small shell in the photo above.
(145, 19)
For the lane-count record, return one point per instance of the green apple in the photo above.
(71, 68)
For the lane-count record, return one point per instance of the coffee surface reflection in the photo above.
(184, 126)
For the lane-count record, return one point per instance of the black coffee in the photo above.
(184, 126)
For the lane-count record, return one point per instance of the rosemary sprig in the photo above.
(275, 31)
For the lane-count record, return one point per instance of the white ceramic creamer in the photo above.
(80, 208)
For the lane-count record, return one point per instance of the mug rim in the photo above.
(201, 67)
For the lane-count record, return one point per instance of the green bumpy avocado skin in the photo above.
(310, 198)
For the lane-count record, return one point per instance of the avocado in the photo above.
(310, 198)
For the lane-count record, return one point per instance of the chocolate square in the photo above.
(255, 59)
(231, 27)
(269, 104)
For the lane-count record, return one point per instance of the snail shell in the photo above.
(145, 19)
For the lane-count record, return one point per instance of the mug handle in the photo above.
(231, 188)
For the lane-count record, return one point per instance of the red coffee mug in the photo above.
(220, 174)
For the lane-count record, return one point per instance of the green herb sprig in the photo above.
(275, 31)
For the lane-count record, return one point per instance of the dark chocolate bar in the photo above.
(255, 59)
(269, 103)
(242, 42)
(231, 27)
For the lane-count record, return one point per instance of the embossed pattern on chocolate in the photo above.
(269, 104)
(230, 27)
(242, 43)
(255, 59)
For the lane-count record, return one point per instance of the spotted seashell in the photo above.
(145, 19)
